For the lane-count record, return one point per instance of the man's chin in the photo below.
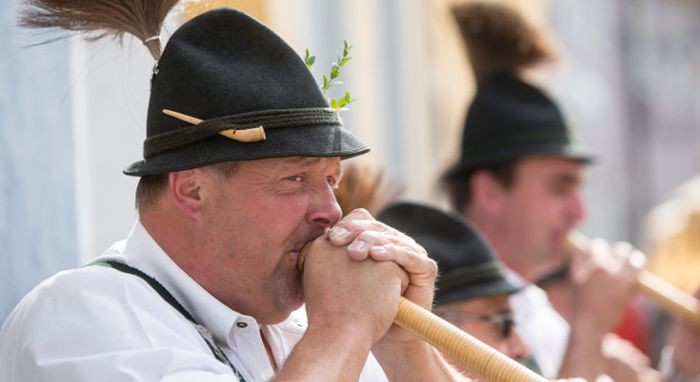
(281, 314)
(296, 301)
(545, 267)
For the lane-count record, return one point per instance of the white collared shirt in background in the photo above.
(541, 328)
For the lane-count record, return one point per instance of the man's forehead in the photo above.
(550, 171)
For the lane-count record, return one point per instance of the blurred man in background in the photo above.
(518, 180)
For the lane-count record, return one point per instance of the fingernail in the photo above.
(357, 245)
(637, 259)
(339, 233)
(379, 249)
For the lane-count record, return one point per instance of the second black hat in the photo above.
(466, 263)
(509, 119)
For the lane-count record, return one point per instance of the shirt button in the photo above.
(241, 325)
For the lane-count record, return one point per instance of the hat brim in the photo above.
(465, 167)
(309, 141)
(485, 289)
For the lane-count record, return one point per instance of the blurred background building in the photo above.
(72, 113)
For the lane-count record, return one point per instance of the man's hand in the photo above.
(366, 237)
(360, 296)
(602, 282)
(402, 355)
(350, 306)
(623, 361)
(686, 346)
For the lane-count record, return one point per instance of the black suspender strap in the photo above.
(170, 299)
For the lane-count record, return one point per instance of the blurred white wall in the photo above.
(111, 87)
(37, 209)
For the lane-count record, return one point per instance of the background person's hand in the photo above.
(623, 361)
(686, 346)
(603, 281)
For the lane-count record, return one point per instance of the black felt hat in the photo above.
(233, 73)
(465, 261)
(509, 119)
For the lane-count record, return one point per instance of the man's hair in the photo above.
(152, 187)
(459, 188)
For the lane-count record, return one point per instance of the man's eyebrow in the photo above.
(340, 172)
(311, 161)
(566, 178)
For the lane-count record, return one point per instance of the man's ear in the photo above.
(487, 192)
(185, 192)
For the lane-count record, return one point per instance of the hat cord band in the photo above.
(462, 276)
(269, 119)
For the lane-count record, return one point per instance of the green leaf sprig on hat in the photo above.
(332, 77)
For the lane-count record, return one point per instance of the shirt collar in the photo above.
(514, 278)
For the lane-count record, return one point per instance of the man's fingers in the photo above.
(415, 262)
(617, 258)
(356, 222)
(359, 248)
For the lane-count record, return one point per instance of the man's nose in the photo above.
(516, 348)
(575, 208)
(324, 210)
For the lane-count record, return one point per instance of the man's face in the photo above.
(258, 220)
(536, 212)
(489, 319)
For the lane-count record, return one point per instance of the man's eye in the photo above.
(560, 189)
(295, 178)
(333, 182)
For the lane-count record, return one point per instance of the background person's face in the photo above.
(461, 314)
(259, 220)
(536, 213)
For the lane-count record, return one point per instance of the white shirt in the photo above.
(541, 328)
(99, 324)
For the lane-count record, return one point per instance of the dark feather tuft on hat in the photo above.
(499, 39)
(100, 18)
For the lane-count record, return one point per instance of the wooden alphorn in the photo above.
(483, 360)
(672, 299)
